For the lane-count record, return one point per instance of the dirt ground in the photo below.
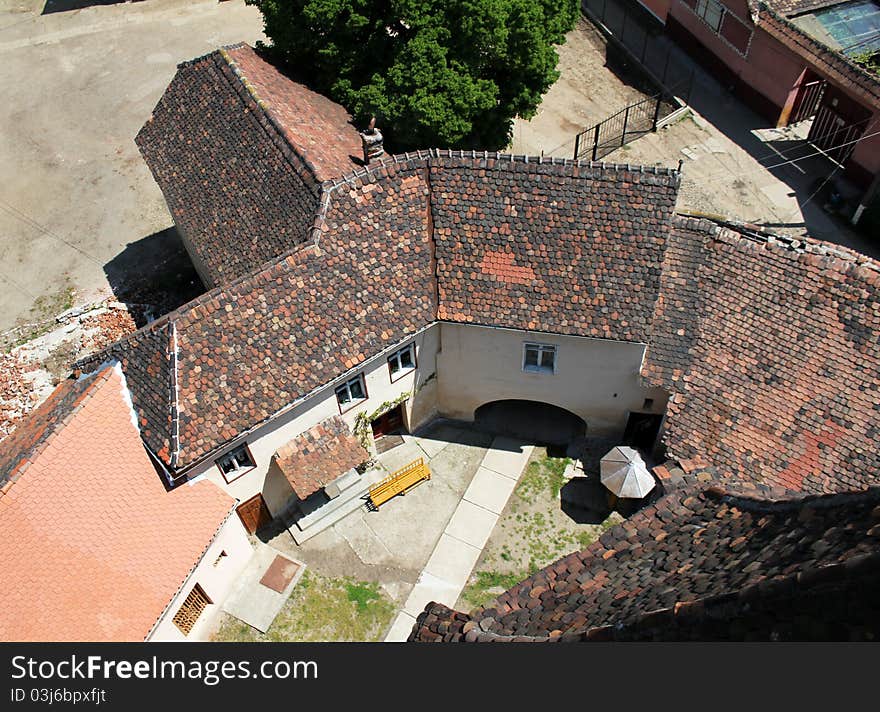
(548, 516)
(77, 198)
(585, 93)
(729, 154)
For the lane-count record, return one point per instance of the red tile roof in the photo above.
(240, 152)
(698, 564)
(95, 547)
(548, 247)
(771, 349)
(318, 456)
(319, 130)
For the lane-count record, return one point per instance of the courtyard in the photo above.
(494, 510)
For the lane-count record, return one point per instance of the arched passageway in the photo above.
(530, 420)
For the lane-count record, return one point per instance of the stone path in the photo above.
(467, 532)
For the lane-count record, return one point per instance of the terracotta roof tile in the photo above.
(725, 559)
(319, 455)
(100, 546)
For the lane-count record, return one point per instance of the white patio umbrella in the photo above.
(625, 474)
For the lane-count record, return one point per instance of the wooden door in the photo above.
(389, 422)
(254, 513)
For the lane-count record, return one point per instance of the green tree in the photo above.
(435, 73)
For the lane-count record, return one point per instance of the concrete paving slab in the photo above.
(430, 588)
(430, 446)
(490, 490)
(252, 602)
(400, 456)
(363, 540)
(452, 561)
(401, 628)
(471, 524)
(507, 456)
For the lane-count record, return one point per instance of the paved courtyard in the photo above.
(421, 546)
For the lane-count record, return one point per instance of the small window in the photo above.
(351, 392)
(648, 404)
(540, 358)
(220, 558)
(402, 361)
(194, 605)
(236, 463)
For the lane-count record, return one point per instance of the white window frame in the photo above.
(395, 359)
(542, 349)
(243, 460)
(345, 387)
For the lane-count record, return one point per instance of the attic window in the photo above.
(236, 462)
(539, 358)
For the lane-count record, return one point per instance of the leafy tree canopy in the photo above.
(435, 73)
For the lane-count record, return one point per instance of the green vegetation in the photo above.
(532, 532)
(42, 320)
(435, 73)
(488, 585)
(869, 60)
(321, 609)
(542, 477)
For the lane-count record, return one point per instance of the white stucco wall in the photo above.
(263, 443)
(596, 379)
(216, 579)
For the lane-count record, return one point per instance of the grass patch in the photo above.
(488, 585)
(321, 609)
(42, 318)
(362, 594)
(543, 476)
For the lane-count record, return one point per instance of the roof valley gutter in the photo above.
(210, 455)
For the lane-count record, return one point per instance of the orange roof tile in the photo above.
(100, 546)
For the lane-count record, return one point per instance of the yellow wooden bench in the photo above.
(399, 482)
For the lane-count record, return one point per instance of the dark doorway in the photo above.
(642, 430)
(254, 513)
(530, 420)
(388, 423)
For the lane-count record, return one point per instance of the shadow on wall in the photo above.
(532, 421)
(66, 5)
(153, 276)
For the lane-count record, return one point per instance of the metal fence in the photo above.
(610, 134)
(669, 75)
(633, 28)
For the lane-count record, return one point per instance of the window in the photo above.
(351, 392)
(402, 361)
(236, 463)
(711, 12)
(192, 608)
(540, 358)
(220, 558)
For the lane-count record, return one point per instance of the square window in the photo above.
(402, 361)
(351, 392)
(236, 462)
(540, 358)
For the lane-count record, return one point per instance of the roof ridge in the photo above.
(427, 155)
(246, 90)
(753, 503)
(721, 227)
